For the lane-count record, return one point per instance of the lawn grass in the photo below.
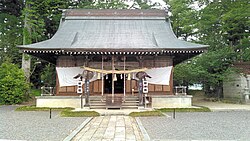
(233, 101)
(65, 112)
(201, 109)
(34, 108)
(146, 114)
(69, 113)
(35, 92)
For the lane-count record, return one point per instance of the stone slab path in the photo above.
(110, 128)
(220, 106)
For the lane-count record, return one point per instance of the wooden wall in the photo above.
(132, 63)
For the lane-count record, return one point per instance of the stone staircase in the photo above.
(99, 102)
(131, 102)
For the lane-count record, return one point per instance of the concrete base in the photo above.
(158, 101)
(59, 101)
(171, 101)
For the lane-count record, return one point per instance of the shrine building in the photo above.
(105, 58)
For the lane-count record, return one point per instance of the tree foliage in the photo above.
(48, 75)
(10, 30)
(13, 85)
(224, 26)
(183, 18)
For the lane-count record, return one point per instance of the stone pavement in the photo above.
(220, 106)
(105, 112)
(110, 128)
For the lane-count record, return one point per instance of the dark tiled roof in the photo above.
(114, 30)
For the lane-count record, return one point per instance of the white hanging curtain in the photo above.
(66, 75)
(160, 76)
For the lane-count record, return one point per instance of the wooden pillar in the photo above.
(86, 61)
(140, 60)
(86, 83)
(140, 91)
(124, 78)
(140, 76)
(113, 83)
(171, 84)
(102, 78)
(86, 90)
(87, 76)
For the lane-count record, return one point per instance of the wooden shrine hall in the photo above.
(101, 53)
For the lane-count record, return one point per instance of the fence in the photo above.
(47, 91)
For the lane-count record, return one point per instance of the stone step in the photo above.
(130, 104)
(131, 99)
(97, 104)
(97, 107)
(123, 106)
(103, 100)
(126, 99)
(129, 107)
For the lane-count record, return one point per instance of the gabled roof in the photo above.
(114, 30)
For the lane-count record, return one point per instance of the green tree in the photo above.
(10, 36)
(143, 4)
(243, 50)
(34, 25)
(183, 18)
(41, 20)
(210, 69)
(13, 84)
(11, 7)
(215, 67)
(112, 4)
(224, 25)
(10, 30)
(48, 75)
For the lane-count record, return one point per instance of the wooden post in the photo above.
(86, 85)
(174, 113)
(140, 92)
(81, 101)
(124, 79)
(113, 83)
(49, 113)
(140, 83)
(102, 77)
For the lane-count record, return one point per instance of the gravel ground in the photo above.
(233, 125)
(35, 125)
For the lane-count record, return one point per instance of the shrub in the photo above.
(69, 113)
(34, 108)
(13, 85)
(200, 109)
(146, 114)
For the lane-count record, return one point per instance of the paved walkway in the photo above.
(220, 106)
(110, 128)
(105, 112)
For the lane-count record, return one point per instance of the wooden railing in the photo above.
(47, 91)
(180, 90)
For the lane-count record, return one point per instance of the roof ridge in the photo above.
(115, 12)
